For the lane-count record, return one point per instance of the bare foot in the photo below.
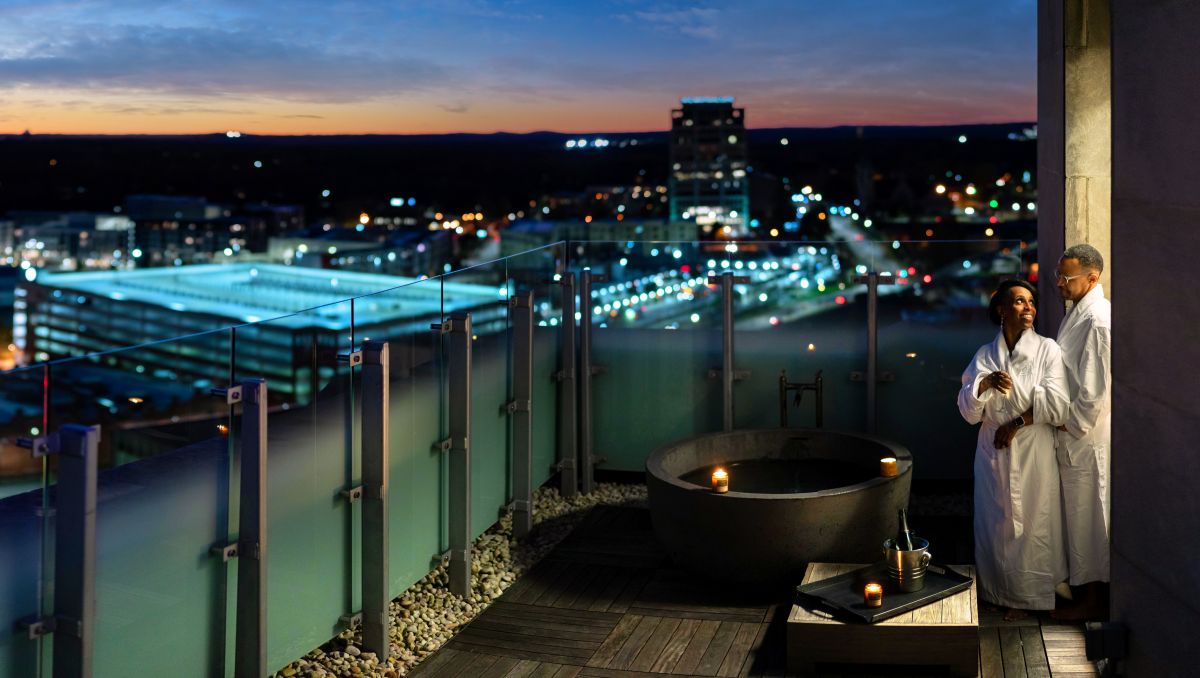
(1015, 614)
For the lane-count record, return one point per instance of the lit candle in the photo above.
(720, 481)
(873, 595)
(888, 467)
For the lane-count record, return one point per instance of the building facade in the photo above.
(290, 321)
(708, 182)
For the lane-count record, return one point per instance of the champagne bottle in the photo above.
(904, 540)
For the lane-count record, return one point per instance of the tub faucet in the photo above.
(816, 386)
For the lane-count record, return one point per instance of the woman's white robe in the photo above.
(1019, 550)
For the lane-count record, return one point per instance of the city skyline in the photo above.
(268, 67)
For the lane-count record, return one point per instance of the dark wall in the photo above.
(1156, 332)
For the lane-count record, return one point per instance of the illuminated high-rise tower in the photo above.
(708, 164)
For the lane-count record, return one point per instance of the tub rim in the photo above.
(904, 461)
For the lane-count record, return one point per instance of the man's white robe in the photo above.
(1083, 449)
(1019, 553)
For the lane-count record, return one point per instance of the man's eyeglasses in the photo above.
(1064, 279)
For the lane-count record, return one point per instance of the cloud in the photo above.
(692, 22)
(206, 62)
(460, 107)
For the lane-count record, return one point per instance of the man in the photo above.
(1082, 442)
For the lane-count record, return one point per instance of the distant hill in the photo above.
(496, 173)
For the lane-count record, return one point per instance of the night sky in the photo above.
(421, 66)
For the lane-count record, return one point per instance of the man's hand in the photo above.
(1004, 436)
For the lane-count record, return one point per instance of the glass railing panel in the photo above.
(24, 590)
(932, 319)
(163, 502)
(535, 271)
(799, 315)
(416, 511)
(483, 291)
(656, 336)
(311, 443)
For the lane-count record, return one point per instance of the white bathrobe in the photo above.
(1083, 449)
(1019, 553)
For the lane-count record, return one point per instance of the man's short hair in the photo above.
(1089, 257)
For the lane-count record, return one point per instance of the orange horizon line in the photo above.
(501, 131)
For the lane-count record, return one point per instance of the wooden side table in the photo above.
(945, 632)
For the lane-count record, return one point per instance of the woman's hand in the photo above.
(998, 380)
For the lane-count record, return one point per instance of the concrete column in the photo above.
(1088, 128)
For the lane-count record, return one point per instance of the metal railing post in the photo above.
(520, 407)
(728, 375)
(250, 649)
(459, 329)
(587, 457)
(75, 550)
(567, 434)
(872, 377)
(376, 372)
(73, 620)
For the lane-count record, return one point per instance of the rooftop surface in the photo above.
(608, 602)
(252, 292)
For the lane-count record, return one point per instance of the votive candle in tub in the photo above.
(873, 595)
(888, 467)
(720, 481)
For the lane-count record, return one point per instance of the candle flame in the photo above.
(720, 473)
(874, 588)
(888, 460)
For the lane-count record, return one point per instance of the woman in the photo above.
(1016, 386)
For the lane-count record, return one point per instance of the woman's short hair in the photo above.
(1000, 296)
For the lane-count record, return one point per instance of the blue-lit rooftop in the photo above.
(251, 292)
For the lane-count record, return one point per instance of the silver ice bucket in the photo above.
(906, 569)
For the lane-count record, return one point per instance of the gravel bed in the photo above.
(427, 614)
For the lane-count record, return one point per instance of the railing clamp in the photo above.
(352, 494)
(350, 619)
(738, 375)
(232, 395)
(514, 406)
(448, 444)
(354, 358)
(43, 446)
(237, 549)
(884, 376)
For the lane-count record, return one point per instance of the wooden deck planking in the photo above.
(714, 654)
(500, 668)
(655, 644)
(605, 603)
(1036, 663)
(637, 640)
(694, 652)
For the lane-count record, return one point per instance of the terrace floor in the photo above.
(607, 602)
